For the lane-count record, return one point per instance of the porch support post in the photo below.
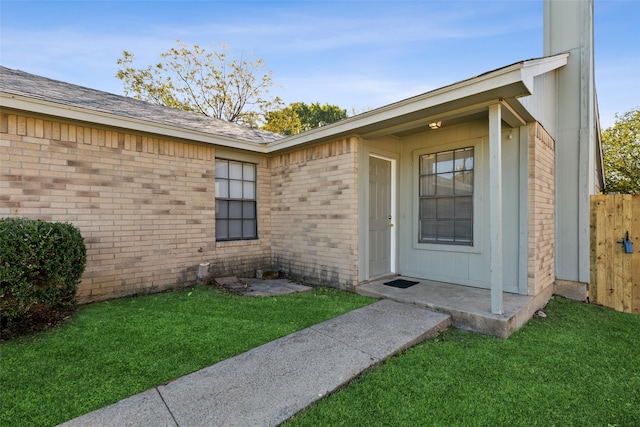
(495, 206)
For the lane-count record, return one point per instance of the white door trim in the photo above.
(394, 212)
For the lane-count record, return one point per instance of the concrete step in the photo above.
(469, 307)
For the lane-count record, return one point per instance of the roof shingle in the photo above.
(29, 85)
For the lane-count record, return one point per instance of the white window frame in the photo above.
(478, 208)
(242, 200)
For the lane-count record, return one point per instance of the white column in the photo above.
(495, 206)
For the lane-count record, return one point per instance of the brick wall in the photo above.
(143, 204)
(541, 258)
(314, 213)
(243, 258)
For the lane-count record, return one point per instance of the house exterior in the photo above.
(481, 183)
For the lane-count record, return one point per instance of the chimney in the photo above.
(568, 27)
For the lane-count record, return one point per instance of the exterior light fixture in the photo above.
(435, 125)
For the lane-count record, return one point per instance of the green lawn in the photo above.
(112, 350)
(580, 366)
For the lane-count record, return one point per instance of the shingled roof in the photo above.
(33, 86)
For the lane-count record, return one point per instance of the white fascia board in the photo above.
(40, 106)
(536, 67)
(517, 77)
(508, 76)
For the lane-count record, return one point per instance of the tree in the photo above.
(299, 117)
(210, 83)
(621, 153)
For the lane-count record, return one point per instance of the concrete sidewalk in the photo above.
(268, 384)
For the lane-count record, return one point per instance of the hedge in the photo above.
(40, 266)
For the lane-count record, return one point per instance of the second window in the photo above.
(446, 197)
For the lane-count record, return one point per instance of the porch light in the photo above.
(435, 125)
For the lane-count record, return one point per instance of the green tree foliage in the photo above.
(299, 117)
(211, 83)
(621, 153)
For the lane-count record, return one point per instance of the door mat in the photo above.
(401, 283)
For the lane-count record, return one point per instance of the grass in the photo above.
(579, 366)
(115, 349)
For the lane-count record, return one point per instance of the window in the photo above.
(235, 201)
(446, 197)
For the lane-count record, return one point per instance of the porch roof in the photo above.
(451, 103)
(458, 101)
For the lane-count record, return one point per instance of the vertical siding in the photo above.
(542, 103)
(463, 265)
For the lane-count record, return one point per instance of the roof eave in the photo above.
(539, 66)
(506, 83)
(48, 108)
(513, 81)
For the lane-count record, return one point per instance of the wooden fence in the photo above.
(615, 275)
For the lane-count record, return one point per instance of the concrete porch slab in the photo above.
(470, 308)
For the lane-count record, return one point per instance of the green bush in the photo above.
(40, 267)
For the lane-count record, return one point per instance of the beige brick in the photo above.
(541, 247)
(303, 215)
(145, 205)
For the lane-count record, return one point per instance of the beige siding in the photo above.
(144, 205)
(314, 213)
(541, 262)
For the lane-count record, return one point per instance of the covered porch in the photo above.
(470, 308)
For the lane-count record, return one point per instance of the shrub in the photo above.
(40, 267)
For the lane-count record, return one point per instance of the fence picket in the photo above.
(615, 275)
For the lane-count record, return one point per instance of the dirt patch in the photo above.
(232, 285)
(259, 287)
(39, 318)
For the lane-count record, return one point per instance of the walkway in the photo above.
(269, 384)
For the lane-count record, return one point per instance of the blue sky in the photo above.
(355, 54)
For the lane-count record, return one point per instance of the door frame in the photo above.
(394, 213)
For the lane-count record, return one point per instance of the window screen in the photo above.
(446, 197)
(235, 201)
